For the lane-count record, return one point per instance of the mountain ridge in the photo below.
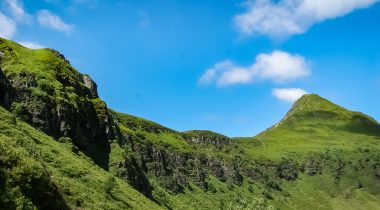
(320, 149)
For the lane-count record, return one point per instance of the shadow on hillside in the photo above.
(99, 153)
(364, 125)
(42, 192)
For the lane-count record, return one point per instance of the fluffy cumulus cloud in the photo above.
(287, 17)
(7, 27)
(50, 20)
(31, 45)
(288, 94)
(277, 66)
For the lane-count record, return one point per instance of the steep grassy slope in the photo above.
(337, 152)
(37, 171)
(84, 155)
(315, 124)
(48, 93)
(320, 156)
(190, 170)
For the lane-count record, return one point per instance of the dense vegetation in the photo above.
(61, 147)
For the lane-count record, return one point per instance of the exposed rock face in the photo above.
(61, 102)
(312, 167)
(207, 138)
(91, 85)
(136, 177)
(210, 141)
(56, 117)
(176, 170)
(5, 90)
(287, 170)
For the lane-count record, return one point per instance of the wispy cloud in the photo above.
(287, 17)
(50, 20)
(288, 94)
(17, 10)
(31, 45)
(7, 27)
(277, 66)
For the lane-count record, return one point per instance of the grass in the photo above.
(344, 143)
(320, 156)
(77, 181)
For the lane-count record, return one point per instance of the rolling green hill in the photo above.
(61, 147)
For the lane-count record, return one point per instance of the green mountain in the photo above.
(61, 147)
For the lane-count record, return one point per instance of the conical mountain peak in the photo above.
(314, 112)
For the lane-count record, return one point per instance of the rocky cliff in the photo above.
(194, 169)
(51, 95)
(6, 90)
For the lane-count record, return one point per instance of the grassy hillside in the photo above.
(61, 147)
(49, 94)
(320, 156)
(338, 151)
(39, 172)
(316, 124)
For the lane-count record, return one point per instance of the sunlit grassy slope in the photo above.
(341, 145)
(37, 171)
(345, 143)
(315, 124)
(320, 156)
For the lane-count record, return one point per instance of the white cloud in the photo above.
(234, 76)
(288, 94)
(17, 10)
(7, 27)
(277, 66)
(287, 17)
(225, 73)
(281, 66)
(31, 45)
(50, 20)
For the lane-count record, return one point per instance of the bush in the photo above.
(65, 140)
(287, 170)
(250, 188)
(110, 184)
(20, 111)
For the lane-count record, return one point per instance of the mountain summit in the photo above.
(314, 112)
(61, 147)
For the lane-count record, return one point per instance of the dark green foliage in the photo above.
(20, 110)
(110, 184)
(65, 140)
(48, 93)
(36, 172)
(24, 182)
(287, 169)
(267, 194)
(320, 156)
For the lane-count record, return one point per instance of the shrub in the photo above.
(110, 184)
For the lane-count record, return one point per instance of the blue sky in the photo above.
(229, 66)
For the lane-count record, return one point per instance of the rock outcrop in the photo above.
(207, 138)
(57, 100)
(91, 85)
(5, 90)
